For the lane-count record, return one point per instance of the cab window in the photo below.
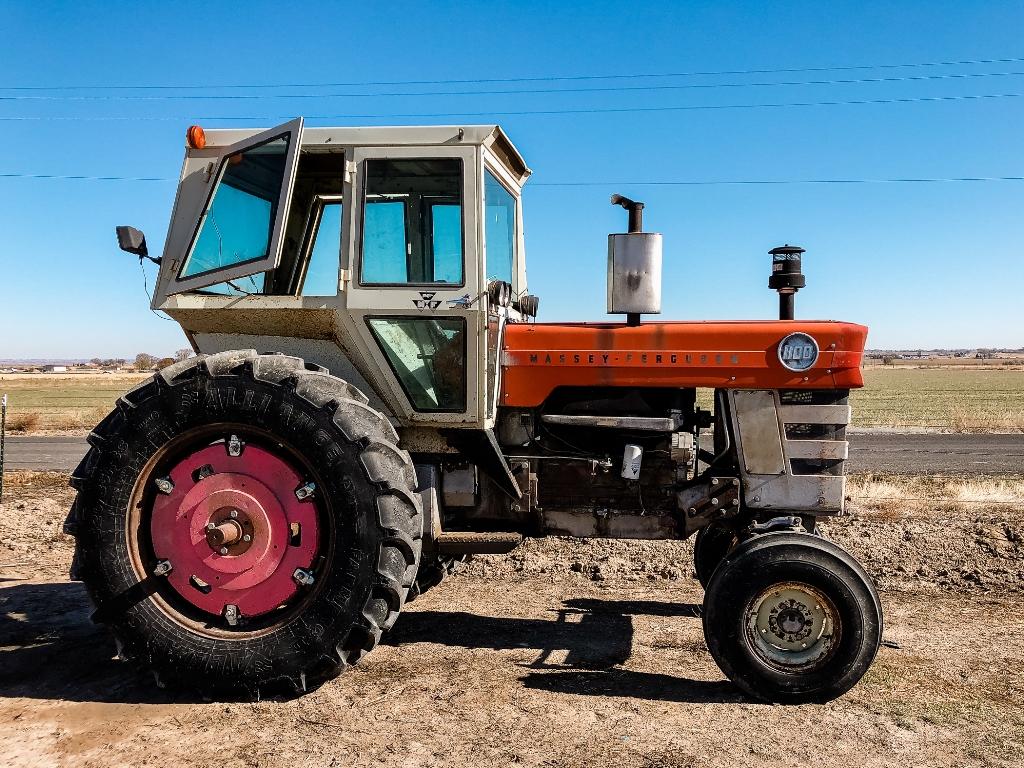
(240, 217)
(311, 248)
(412, 222)
(499, 229)
(320, 277)
(428, 357)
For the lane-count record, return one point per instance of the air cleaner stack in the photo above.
(786, 277)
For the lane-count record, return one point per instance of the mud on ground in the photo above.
(565, 653)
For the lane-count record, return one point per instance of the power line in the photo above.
(682, 183)
(529, 112)
(772, 181)
(521, 91)
(62, 177)
(540, 79)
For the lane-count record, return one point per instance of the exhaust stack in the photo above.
(634, 267)
(787, 277)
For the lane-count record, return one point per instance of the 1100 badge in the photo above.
(798, 352)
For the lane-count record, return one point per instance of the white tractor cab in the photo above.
(381, 241)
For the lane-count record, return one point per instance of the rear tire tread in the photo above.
(385, 465)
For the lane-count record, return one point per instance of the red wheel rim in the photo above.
(241, 532)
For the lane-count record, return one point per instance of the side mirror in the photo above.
(133, 240)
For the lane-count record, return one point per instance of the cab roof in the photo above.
(490, 136)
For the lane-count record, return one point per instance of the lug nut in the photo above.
(164, 484)
(210, 526)
(233, 513)
(223, 550)
(247, 538)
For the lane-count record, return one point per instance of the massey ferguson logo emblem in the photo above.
(798, 352)
(427, 300)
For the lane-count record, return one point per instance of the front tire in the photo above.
(244, 521)
(710, 547)
(792, 618)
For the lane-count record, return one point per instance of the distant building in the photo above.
(55, 369)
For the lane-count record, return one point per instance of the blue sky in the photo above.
(923, 265)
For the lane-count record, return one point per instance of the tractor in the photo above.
(372, 400)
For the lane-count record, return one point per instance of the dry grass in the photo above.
(27, 484)
(23, 422)
(916, 693)
(893, 496)
(964, 419)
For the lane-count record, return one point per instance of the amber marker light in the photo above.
(195, 137)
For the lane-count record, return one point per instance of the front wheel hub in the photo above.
(792, 626)
(234, 530)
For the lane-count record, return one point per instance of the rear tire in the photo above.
(367, 534)
(792, 618)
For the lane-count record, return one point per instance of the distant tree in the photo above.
(888, 360)
(144, 362)
(182, 354)
(163, 362)
(96, 361)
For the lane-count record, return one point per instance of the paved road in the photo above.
(869, 452)
(44, 453)
(935, 454)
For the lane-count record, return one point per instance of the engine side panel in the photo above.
(540, 357)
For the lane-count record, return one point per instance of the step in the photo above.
(469, 543)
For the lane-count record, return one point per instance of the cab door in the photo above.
(229, 214)
(414, 295)
(502, 261)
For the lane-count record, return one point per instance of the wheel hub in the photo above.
(230, 529)
(234, 530)
(792, 625)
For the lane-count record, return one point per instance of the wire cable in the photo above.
(600, 89)
(538, 79)
(682, 183)
(527, 112)
(772, 181)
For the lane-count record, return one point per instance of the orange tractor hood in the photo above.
(539, 357)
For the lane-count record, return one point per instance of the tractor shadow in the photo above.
(50, 649)
(578, 651)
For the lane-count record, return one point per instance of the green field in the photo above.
(71, 402)
(963, 400)
(968, 400)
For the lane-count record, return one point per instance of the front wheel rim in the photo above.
(793, 627)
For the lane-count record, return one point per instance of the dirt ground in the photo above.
(565, 653)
